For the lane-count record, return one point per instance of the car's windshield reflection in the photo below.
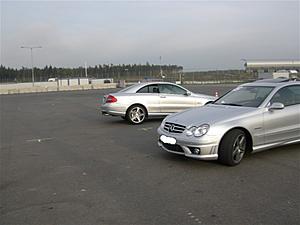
(245, 96)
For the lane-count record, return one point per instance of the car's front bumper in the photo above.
(206, 149)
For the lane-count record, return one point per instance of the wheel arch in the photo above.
(248, 136)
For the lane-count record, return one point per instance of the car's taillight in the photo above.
(111, 99)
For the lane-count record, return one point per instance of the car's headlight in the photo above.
(198, 131)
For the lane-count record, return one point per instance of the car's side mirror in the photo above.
(187, 93)
(276, 106)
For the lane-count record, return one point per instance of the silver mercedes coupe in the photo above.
(250, 118)
(138, 102)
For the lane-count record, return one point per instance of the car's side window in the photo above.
(153, 88)
(171, 89)
(288, 95)
(143, 90)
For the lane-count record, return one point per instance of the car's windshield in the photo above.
(247, 96)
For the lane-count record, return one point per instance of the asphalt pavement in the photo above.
(63, 163)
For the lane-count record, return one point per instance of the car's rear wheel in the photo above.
(136, 114)
(232, 147)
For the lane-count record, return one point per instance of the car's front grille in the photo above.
(174, 128)
(174, 148)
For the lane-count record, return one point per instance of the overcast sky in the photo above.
(195, 34)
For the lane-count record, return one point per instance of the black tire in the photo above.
(136, 114)
(232, 147)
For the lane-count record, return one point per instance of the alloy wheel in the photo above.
(137, 114)
(239, 148)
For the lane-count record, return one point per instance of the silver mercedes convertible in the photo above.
(138, 102)
(252, 117)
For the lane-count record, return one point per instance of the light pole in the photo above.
(126, 72)
(31, 56)
(160, 70)
(85, 69)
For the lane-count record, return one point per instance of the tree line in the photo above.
(130, 72)
(117, 72)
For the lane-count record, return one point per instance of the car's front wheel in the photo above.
(136, 114)
(232, 147)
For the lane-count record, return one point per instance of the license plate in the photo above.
(167, 140)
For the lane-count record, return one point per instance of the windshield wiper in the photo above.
(232, 104)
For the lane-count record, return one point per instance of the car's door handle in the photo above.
(163, 96)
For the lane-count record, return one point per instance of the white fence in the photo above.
(60, 85)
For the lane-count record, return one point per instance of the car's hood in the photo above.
(210, 114)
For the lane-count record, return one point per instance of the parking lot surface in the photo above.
(62, 162)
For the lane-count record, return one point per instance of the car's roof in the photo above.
(135, 87)
(272, 82)
(154, 82)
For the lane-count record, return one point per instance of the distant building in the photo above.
(273, 69)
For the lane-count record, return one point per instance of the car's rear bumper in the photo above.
(112, 113)
(107, 109)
